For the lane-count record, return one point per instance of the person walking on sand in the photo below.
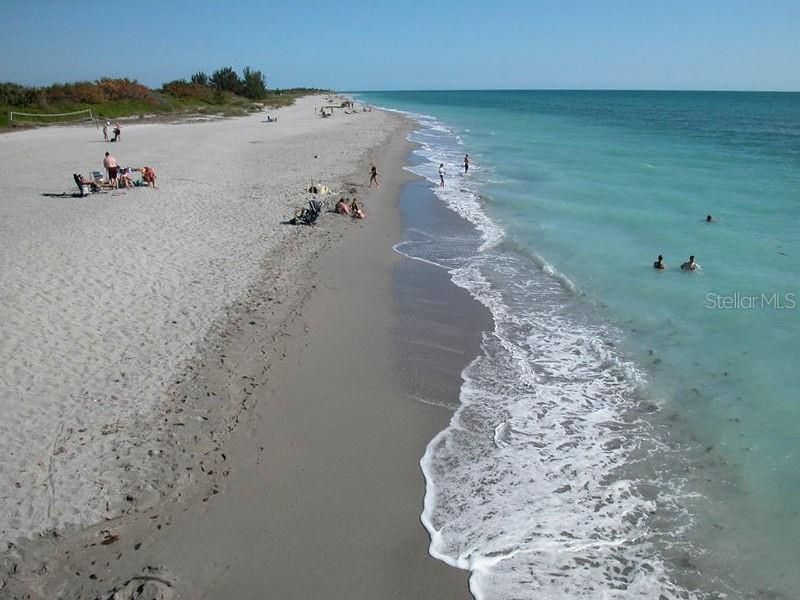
(373, 176)
(112, 167)
(466, 163)
(105, 130)
(441, 175)
(117, 132)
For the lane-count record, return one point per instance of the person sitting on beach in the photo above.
(659, 264)
(689, 265)
(93, 186)
(149, 176)
(125, 179)
(357, 211)
(342, 207)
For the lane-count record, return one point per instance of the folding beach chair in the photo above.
(84, 188)
(308, 216)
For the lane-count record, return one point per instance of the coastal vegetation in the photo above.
(224, 92)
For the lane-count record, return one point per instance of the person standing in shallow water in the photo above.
(441, 175)
(466, 163)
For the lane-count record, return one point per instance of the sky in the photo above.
(350, 45)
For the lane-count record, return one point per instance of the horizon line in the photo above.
(556, 89)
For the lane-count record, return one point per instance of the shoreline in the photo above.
(267, 472)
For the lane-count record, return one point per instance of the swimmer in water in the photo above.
(659, 264)
(689, 265)
(709, 219)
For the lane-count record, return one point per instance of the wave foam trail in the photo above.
(523, 488)
(527, 486)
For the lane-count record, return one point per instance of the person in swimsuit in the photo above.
(689, 265)
(110, 163)
(709, 219)
(149, 176)
(441, 175)
(105, 130)
(659, 264)
(357, 211)
(373, 176)
(342, 207)
(466, 163)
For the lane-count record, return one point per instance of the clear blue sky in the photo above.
(380, 45)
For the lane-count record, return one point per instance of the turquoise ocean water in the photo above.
(625, 432)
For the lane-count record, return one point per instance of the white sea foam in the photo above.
(525, 487)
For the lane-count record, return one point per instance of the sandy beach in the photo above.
(196, 395)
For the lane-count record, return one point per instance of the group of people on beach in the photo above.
(122, 177)
(442, 172)
(117, 131)
(350, 208)
(690, 265)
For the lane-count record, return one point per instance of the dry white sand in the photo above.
(106, 301)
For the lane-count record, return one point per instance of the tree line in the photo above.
(251, 85)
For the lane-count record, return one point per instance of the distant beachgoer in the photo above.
(466, 163)
(689, 265)
(149, 176)
(709, 219)
(659, 264)
(342, 207)
(373, 176)
(125, 179)
(88, 182)
(441, 175)
(105, 130)
(117, 132)
(357, 211)
(112, 167)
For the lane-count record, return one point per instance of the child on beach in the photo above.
(149, 176)
(357, 211)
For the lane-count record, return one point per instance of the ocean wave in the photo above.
(527, 486)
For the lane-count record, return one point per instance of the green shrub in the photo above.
(226, 80)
